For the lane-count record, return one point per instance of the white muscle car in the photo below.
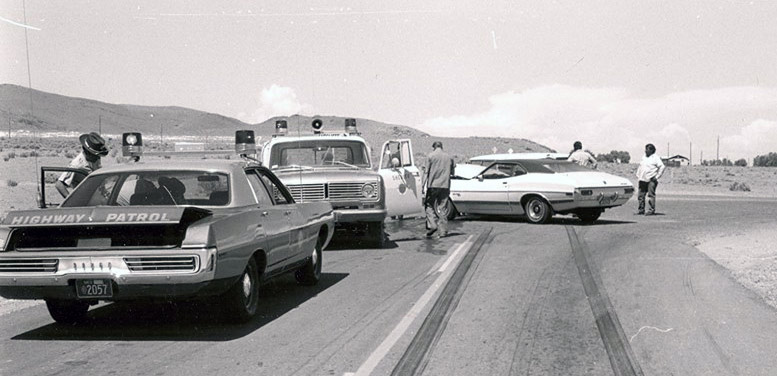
(538, 188)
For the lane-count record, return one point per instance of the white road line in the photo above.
(455, 254)
(380, 352)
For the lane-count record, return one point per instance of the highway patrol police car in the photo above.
(163, 230)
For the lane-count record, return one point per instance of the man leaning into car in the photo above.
(437, 186)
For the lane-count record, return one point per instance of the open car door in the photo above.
(401, 178)
(48, 196)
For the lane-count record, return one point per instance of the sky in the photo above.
(614, 75)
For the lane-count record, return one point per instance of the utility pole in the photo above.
(717, 153)
(100, 124)
(701, 157)
(690, 153)
(667, 150)
(9, 127)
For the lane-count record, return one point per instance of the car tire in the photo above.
(376, 234)
(67, 311)
(310, 273)
(538, 211)
(242, 299)
(449, 210)
(589, 216)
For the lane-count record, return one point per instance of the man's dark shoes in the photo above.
(650, 213)
(639, 213)
(430, 232)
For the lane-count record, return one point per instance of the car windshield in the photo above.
(152, 188)
(319, 153)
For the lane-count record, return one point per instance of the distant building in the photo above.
(676, 161)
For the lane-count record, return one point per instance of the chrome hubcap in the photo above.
(246, 285)
(314, 257)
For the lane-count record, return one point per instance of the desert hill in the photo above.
(58, 113)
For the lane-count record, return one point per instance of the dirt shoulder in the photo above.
(750, 255)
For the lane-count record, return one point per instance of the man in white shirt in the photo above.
(650, 170)
(581, 157)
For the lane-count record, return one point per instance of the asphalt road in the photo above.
(628, 295)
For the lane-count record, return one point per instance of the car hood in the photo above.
(327, 175)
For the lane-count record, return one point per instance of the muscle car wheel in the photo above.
(242, 299)
(448, 210)
(67, 311)
(538, 211)
(310, 273)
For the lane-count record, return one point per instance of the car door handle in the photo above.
(287, 212)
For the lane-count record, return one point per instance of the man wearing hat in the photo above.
(93, 147)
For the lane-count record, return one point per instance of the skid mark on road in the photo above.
(380, 352)
(618, 349)
(531, 318)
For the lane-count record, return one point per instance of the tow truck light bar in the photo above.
(281, 128)
(317, 124)
(350, 126)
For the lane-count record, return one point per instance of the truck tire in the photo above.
(375, 234)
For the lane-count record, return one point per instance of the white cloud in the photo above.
(607, 119)
(276, 101)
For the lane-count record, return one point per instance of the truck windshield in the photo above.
(152, 188)
(337, 153)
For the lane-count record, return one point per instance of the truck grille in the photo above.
(332, 192)
(307, 192)
(161, 263)
(29, 266)
(346, 191)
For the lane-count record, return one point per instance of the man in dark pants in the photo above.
(436, 186)
(650, 170)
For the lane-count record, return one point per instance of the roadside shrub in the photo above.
(769, 160)
(11, 155)
(737, 186)
(741, 162)
(23, 154)
(614, 156)
(70, 155)
(11, 183)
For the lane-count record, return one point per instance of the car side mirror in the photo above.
(480, 178)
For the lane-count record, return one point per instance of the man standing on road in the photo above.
(581, 157)
(93, 147)
(436, 188)
(650, 170)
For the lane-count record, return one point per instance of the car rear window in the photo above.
(152, 188)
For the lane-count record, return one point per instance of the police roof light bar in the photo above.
(132, 144)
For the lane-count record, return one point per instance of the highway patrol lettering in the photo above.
(44, 219)
(136, 217)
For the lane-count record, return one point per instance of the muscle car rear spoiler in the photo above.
(104, 215)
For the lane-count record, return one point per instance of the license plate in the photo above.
(94, 288)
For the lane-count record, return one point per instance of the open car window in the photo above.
(198, 188)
